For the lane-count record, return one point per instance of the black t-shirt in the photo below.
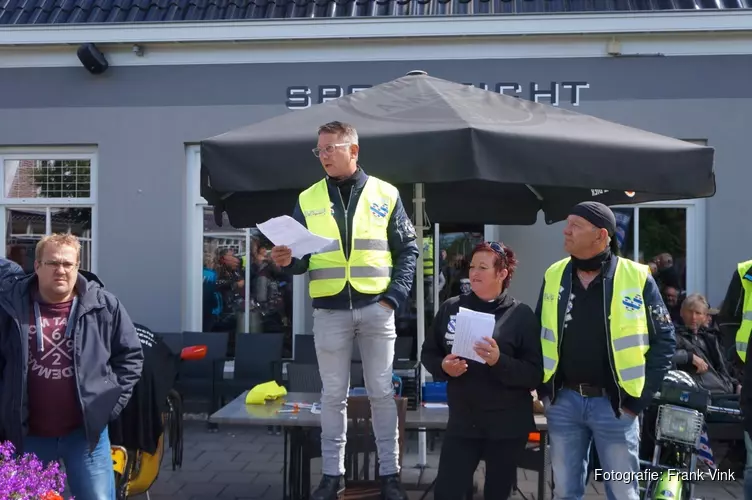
(584, 357)
(139, 426)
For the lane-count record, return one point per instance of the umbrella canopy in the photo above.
(483, 157)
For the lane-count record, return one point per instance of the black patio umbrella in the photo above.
(482, 157)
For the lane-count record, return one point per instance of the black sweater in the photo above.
(491, 402)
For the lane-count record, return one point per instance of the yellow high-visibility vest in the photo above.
(742, 334)
(428, 256)
(369, 268)
(628, 323)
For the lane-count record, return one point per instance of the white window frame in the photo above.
(55, 154)
(696, 250)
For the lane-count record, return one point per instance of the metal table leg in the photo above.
(543, 475)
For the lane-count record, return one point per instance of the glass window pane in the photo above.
(224, 284)
(76, 221)
(663, 244)
(23, 229)
(47, 178)
(625, 236)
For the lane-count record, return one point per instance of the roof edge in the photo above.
(382, 28)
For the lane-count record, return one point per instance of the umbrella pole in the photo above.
(419, 202)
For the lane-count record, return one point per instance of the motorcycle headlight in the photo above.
(679, 424)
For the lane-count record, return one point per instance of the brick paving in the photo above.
(241, 463)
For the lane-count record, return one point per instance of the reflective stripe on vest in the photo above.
(745, 328)
(628, 323)
(369, 268)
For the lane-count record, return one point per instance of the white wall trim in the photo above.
(404, 49)
(383, 27)
(193, 291)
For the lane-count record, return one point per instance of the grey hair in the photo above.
(695, 299)
(346, 131)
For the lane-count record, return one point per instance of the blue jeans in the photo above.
(748, 468)
(574, 421)
(90, 476)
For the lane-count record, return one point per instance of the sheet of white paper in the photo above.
(287, 231)
(471, 327)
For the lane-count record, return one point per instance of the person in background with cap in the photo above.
(607, 341)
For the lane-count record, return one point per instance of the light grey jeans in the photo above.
(334, 332)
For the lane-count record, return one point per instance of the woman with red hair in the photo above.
(490, 405)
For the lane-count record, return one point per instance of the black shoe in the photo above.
(391, 489)
(329, 488)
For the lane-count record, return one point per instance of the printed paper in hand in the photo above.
(287, 231)
(471, 327)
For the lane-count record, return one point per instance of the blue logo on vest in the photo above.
(379, 210)
(632, 303)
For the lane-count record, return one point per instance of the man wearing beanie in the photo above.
(607, 341)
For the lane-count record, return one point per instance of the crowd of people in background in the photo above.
(269, 308)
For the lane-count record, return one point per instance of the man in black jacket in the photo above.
(69, 359)
(607, 341)
(356, 286)
(734, 321)
(698, 351)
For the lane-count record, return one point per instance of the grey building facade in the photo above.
(137, 125)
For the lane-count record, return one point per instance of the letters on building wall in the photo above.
(554, 93)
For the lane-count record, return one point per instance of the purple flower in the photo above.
(26, 477)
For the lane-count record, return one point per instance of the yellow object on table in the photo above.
(265, 392)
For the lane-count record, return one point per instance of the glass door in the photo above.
(669, 237)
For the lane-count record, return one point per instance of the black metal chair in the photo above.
(303, 378)
(403, 347)
(174, 340)
(198, 380)
(258, 359)
(305, 349)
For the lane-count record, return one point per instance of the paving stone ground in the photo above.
(242, 463)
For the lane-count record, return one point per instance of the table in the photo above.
(297, 426)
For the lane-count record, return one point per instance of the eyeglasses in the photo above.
(67, 266)
(329, 149)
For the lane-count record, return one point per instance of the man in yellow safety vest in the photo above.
(356, 285)
(735, 322)
(607, 341)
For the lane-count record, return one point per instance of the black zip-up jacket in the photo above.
(729, 321)
(689, 344)
(660, 332)
(401, 236)
(492, 402)
(107, 356)
(730, 315)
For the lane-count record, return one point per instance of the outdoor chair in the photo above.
(360, 483)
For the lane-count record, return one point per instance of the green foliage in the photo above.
(663, 230)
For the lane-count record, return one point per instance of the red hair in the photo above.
(504, 258)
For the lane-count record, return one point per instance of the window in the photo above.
(47, 192)
(232, 285)
(670, 237)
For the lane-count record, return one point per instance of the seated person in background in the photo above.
(490, 405)
(672, 299)
(698, 350)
